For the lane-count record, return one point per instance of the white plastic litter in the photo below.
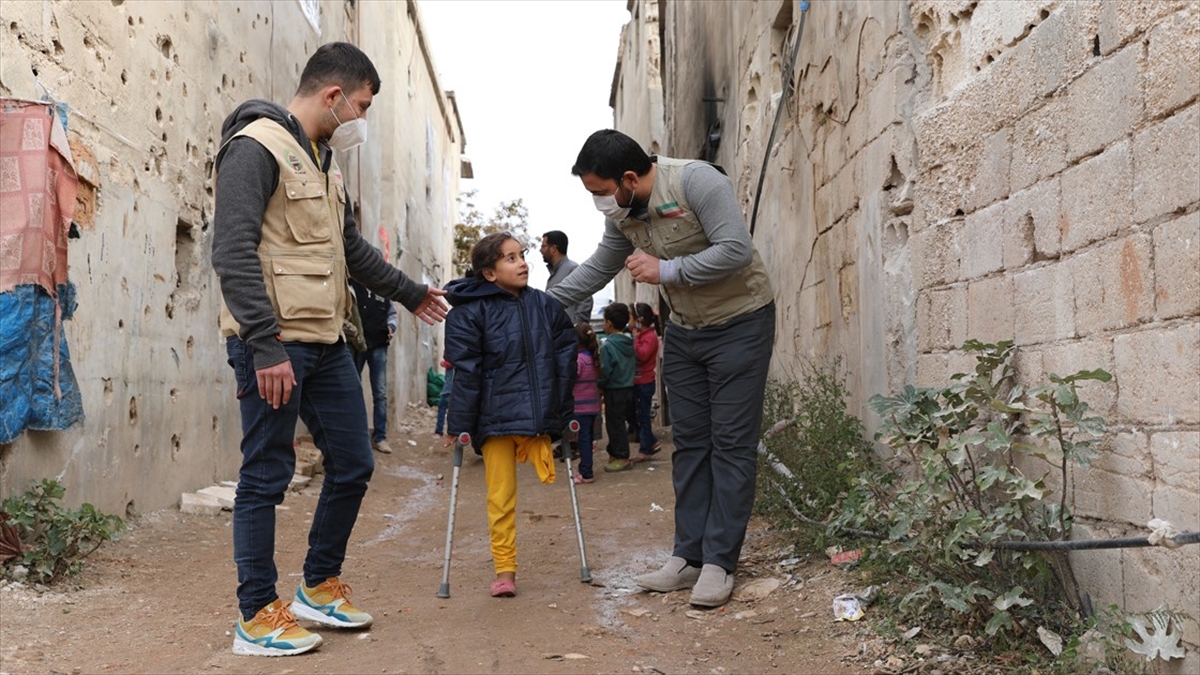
(847, 607)
(1162, 533)
(655, 507)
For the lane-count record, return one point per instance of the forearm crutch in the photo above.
(462, 439)
(585, 575)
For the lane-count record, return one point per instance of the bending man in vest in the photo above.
(284, 239)
(676, 223)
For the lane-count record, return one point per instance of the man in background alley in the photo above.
(284, 241)
(554, 254)
(379, 321)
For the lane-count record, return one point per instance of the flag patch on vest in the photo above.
(294, 162)
(669, 210)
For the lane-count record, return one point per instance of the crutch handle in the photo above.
(461, 441)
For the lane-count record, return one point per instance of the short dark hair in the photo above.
(617, 314)
(557, 239)
(609, 153)
(486, 252)
(339, 63)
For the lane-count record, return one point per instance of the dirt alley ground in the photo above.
(161, 598)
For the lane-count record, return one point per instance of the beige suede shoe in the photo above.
(713, 587)
(673, 576)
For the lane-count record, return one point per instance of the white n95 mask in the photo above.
(349, 134)
(607, 204)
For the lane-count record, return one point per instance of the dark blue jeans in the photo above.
(328, 397)
(716, 378)
(586, 425)
(376, 359)
(644, 393)
(444, 402)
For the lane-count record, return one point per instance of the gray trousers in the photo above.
(716, 378)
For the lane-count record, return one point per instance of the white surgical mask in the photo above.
(349, 134)
(607, 204)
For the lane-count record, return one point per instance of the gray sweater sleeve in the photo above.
(377, 274)
(710, 195)
(597, 270)
(246, 180)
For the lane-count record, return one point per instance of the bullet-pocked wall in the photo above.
(149, 84)
(952, 169)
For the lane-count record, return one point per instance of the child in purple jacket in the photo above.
(587, 397)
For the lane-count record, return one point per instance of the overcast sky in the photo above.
(532, 80)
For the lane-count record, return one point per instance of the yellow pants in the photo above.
(500, 457)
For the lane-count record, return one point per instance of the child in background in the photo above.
(645, 347)
(616, 379)
(587, 397)
(513, 350)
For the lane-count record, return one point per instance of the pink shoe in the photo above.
(504, 589)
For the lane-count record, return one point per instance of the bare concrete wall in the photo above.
(993, 170)
(149, 84)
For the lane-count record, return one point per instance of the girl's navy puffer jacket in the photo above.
(514, 362)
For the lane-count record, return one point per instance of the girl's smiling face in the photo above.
(510, 272)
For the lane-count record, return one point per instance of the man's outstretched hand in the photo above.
(432, 309)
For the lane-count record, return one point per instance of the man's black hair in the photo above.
(609, 153)
(339, 63)
(557, 239)
(617, 314)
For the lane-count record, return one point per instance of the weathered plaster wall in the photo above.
(994, 170)
(149, 84)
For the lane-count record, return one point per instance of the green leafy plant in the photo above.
(47, 540)
(961, 479)
(819, 446)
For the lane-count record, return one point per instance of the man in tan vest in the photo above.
(677, 223)
(284, 241)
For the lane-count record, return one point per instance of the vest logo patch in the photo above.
(669, 210)
(337, 173)
(294, 162)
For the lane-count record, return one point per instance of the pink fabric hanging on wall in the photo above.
(37, 196)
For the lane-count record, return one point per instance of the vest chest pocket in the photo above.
(638, 234)
(681, 237)
(304, 287)
(306, 210)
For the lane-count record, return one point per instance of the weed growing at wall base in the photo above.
(816, 442)
(42, 542)
(957, 484)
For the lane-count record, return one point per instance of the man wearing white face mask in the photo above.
(284, 240)
(677, 223)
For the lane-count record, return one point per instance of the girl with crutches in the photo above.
(513, 349)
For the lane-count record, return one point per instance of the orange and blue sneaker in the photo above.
(273, 632)
(328, 603)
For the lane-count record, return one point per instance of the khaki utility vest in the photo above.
(302, 248)
(674, 231)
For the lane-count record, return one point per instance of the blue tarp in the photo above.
(27, 366)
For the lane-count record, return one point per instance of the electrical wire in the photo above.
(783, 98)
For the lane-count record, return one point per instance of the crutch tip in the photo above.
(443, 591)
(585, 576)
